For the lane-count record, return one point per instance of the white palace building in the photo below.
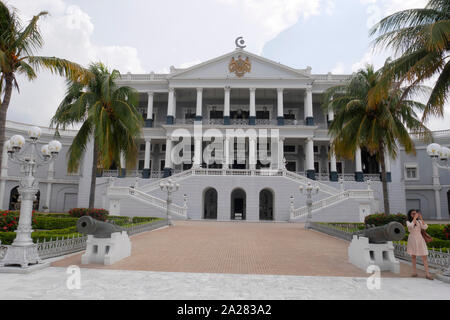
(240, 134)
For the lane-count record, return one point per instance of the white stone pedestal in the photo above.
(363, 254)
(107, 251)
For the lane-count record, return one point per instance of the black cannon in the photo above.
(99, 229)
(393, 231)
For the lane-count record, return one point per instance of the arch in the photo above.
(14, 203)
(210, 203)
(266, 204)
(238, 204)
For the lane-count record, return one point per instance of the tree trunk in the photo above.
(387, 209)
(4, 110)
(93, 176)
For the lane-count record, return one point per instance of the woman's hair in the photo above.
(410, 217)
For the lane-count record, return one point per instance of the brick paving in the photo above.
(238, 248)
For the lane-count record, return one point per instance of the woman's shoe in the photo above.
(429, 277)
(414, 275)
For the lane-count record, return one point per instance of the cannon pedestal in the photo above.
(107, 251)
(363, 254)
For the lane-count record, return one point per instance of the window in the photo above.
(411, 171)
(141, 165)
(291, 166)
(163, 148)
(290, 115)
(189, 114)
(316, 150)
(317, 167)
(142, 147)
(290, 149)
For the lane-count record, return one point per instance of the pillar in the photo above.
(3, 175)
(359, 175)
(437, 191)
(309, 116)
(149, 120)
(252, 106)
(123, 166)
(171, 107)
(226, 153)
(280, 153)
(197, 153)
(334, 176)
(199, 112)
(387, 163)
(280, 107)
(309, 153)
(252, 153)
(168, 162)
(50, 176)
(226, 109)
(147, 169)
(330, 116)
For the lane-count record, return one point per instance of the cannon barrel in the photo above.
(393, 231)
(99, 229)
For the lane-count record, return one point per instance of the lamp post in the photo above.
(23, 251)
(170, 187)
(439, 156)
(309, 190)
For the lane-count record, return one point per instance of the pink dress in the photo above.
(416, 244)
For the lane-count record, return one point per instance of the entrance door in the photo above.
(210, 204)
(265, 205)
(238, 205)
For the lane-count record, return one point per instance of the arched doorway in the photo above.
(14, 203)
(266, 205)
(238, 204)
(210, 204)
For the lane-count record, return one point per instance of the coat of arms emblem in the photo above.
(240, 66)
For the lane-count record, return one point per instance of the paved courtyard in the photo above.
(238, 248)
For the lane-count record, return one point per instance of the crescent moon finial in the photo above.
(240, 43)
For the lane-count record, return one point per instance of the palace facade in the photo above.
(240, 134)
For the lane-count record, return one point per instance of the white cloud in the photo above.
(339, 68)
(67, 33)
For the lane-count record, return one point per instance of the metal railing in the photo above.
(436, 259)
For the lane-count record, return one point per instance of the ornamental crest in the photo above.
(240, 66)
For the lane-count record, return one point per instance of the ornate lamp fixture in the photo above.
(23, 251)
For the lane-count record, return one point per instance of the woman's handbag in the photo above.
(426, 236)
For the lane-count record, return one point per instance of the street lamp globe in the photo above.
(17, 142)
(434, 150)
(54, 147)
(34, 133)
(45, 151)
(445, 153)
(8, 146)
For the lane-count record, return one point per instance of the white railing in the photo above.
(147, 198)
(304, 180)
(155, 185)
(327, 202)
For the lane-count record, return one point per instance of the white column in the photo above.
(309, 153)
(333, 166)
(309, 116)
(359, 176)
(4, 175)
(171, 106)
(437, 191)
(330, 115)
(281, 153)
(252, 105)
(50, 176)
(280, 105)
(168, 162)
(226, 109)
(252, 153)
(199, 112)
(123, 162)
(226, 152)
(197, 152)
(148, 146)
(150, 105)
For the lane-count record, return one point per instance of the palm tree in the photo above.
(17, 45)
(107, 113)
(421, 39)
(379, 129)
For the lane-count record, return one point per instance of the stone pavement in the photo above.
(121, 284)
(238, 248)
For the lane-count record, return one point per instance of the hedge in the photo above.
(98, 214)
(381, 219)
(8, 237)
(51, 223)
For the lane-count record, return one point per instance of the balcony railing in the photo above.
(242, 122)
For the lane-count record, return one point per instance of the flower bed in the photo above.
(98, 214)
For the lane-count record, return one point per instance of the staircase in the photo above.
(297, 214)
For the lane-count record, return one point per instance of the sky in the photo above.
(141, 36)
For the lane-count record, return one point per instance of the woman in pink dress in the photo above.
(416, 243)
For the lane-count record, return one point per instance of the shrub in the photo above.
(143, 219)
(447, 232)
(8, 237)
(51, 223)
(436, 231)
(98, 214)
(9, 220)
(383, 219)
